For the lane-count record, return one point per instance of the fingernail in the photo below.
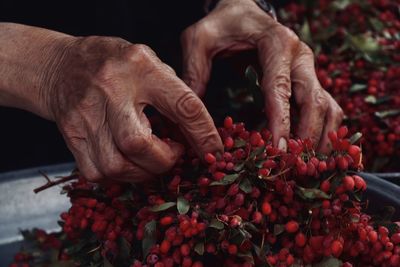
(282, 145)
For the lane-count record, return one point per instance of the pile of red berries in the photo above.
(252, 205)
(357, 46)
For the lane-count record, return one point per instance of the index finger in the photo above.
(174, 99)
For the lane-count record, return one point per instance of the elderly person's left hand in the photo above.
(287, 64)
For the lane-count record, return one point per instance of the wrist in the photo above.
(29, 60)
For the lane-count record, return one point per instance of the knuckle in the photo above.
(189, 106)
(106, 71)
(288, 35)
(201, 30)
(139, 53)
(306, 50)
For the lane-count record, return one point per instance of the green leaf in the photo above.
(162, 207)
(358, 195)
(217, 224)
(239, 166)
(355, 138)
(357, 87)
(329, 262)
(387, 113)
(245, 186)
(311, 193)
(363, 43)
(149, 238)
(340, 4)
(376, 24)
(239, 142)
(183, 205)
(305, 33)
(256, 152)
(228, 179)
(279, 229)
(199, 248)
(377, 101)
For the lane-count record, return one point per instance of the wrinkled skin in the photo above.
(287, 64)
(98, 104)
(95, 89)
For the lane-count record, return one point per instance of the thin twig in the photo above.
(51, 183)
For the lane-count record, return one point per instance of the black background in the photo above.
(27, 140)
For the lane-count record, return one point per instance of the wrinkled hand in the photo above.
(97, 94)
(287, 64)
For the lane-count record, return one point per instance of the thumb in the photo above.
(197, 60)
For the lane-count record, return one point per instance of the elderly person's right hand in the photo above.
(95, 89)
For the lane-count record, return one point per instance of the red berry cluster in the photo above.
(252, 205)
(106, 220)
(357, 46)
(43, 243)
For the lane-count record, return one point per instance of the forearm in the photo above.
(28, 58)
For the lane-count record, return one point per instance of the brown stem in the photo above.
(51, 183)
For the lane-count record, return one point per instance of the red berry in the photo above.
(228, 123)
(165, 246)
(325, 186)
(300, 239)
(185, 249)
(342, 132)
(255, 138)
(166, 220)
(359, 183)
(292, 226)
(266, 208)
(257, 217)
(232, 249)
(229, 142)
(336, 248)
(342, 163)
(348, 183)
(396, 238)
(210, 158)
